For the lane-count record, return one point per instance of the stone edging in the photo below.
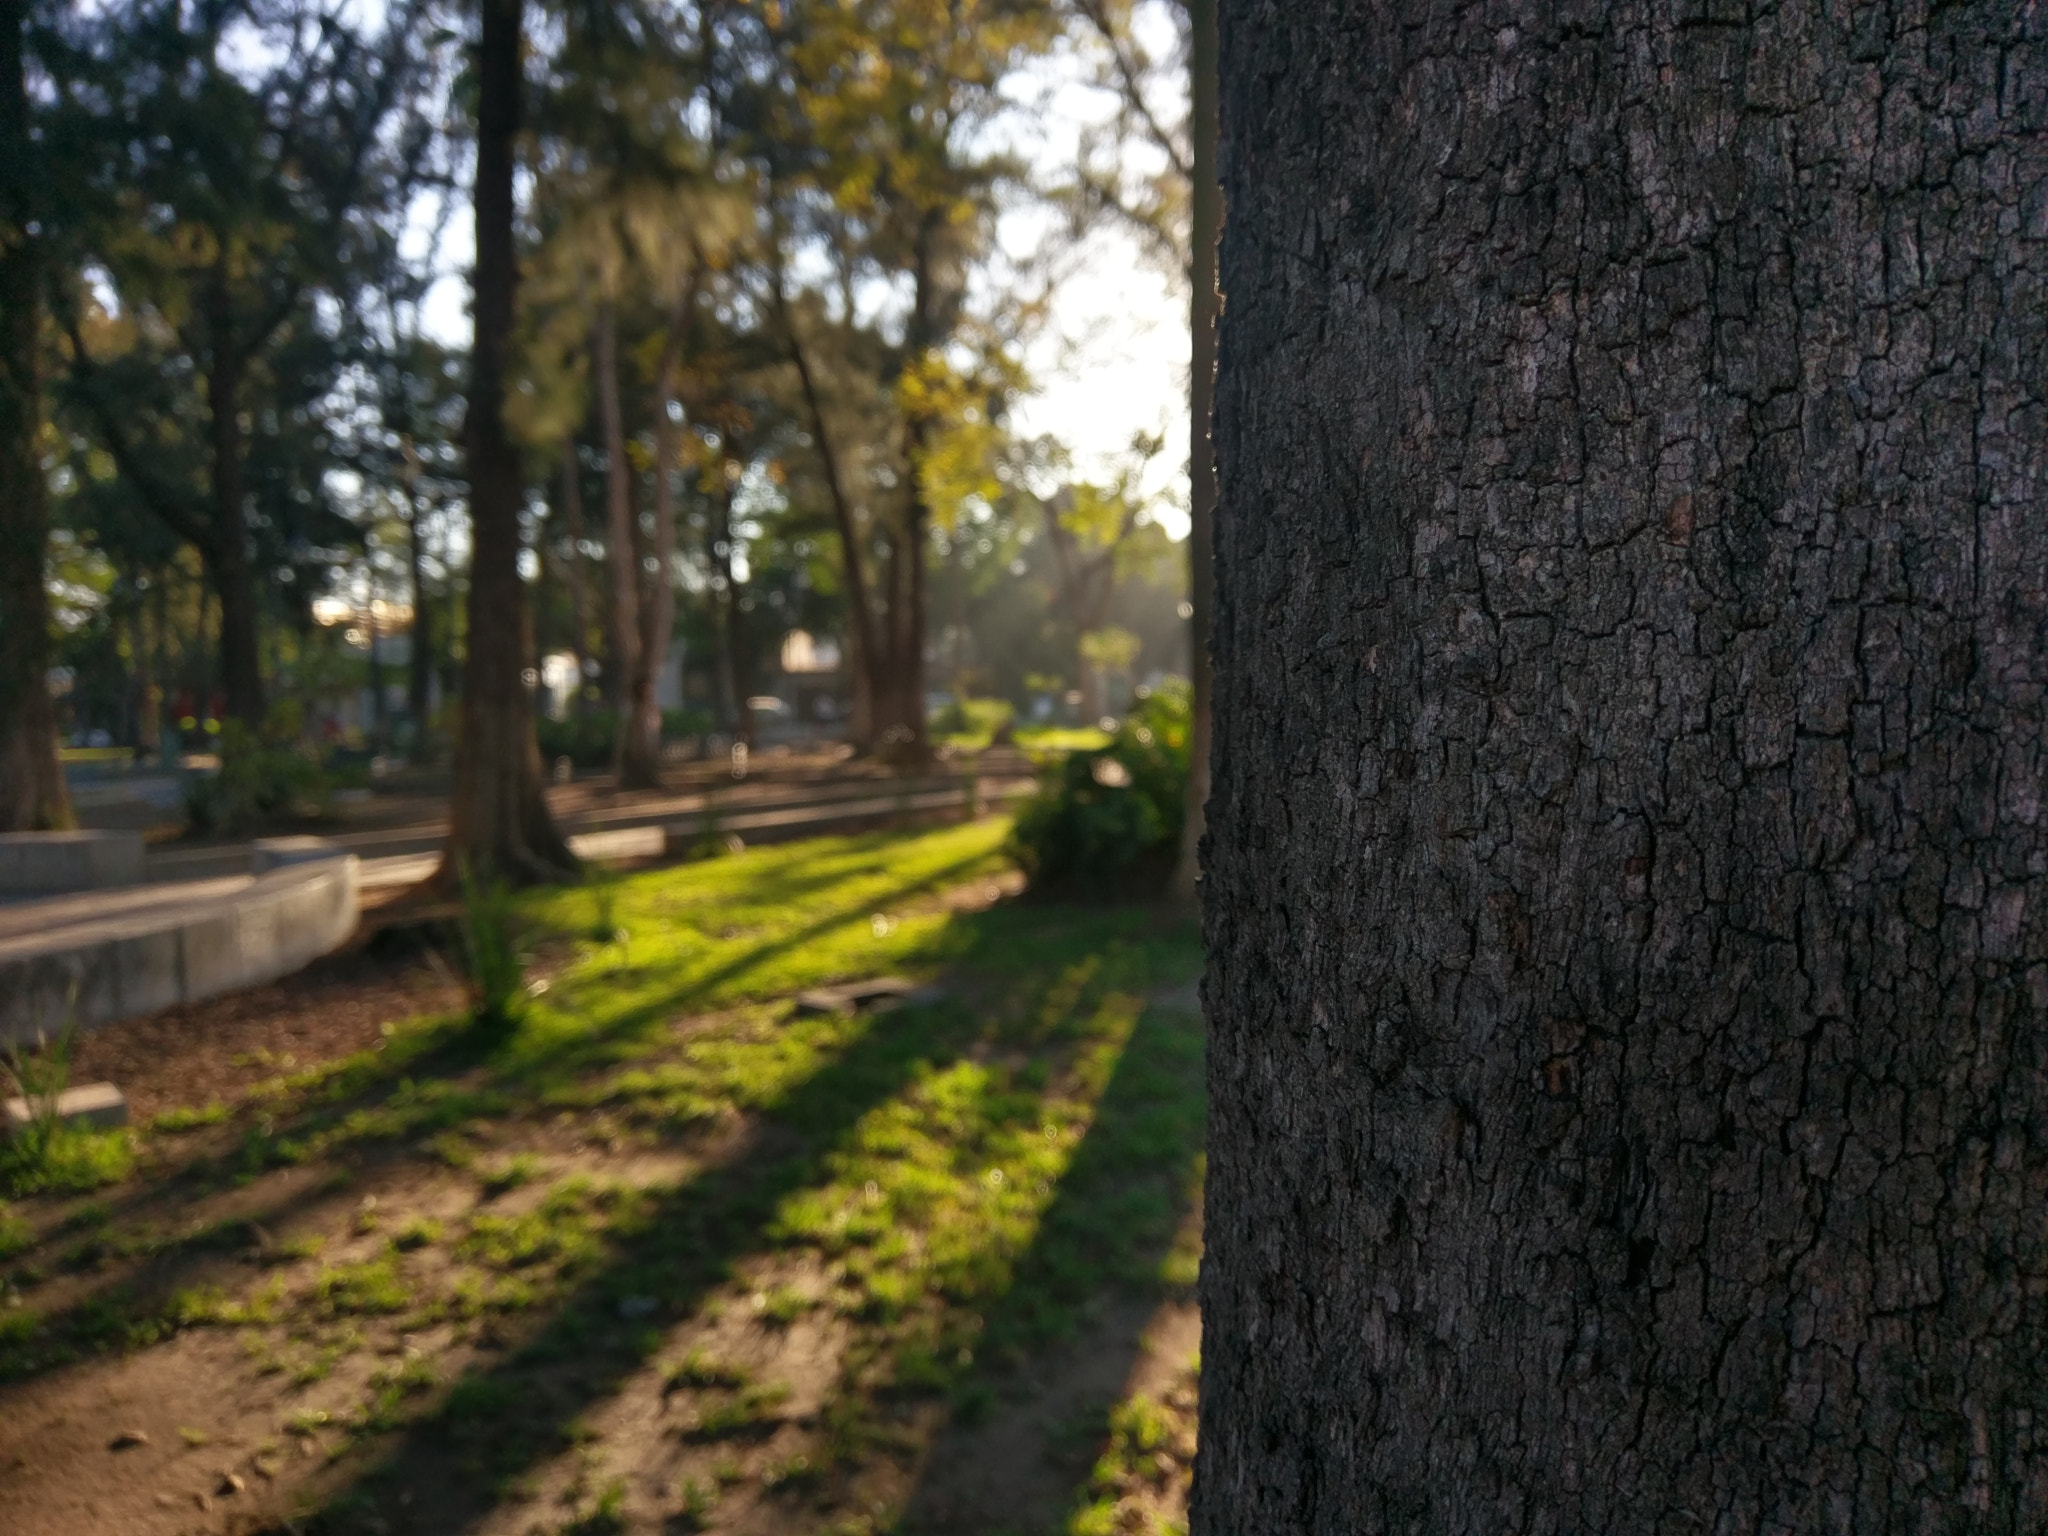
(291, 914)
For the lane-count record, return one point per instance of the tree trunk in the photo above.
(622, 639)
(1205, 207)
(419, 691)
(579, 599)
(32, 792)
(640, 754)
(227, 547)
(862, 653)
(1627, 918)
(499, 824)
(735, 674)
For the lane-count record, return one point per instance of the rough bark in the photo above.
(226, 546)
(499, 824)
(1627, 920)
(1205, 209)
(32, 792)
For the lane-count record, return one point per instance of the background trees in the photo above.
(757, 371)
(1626, 1073)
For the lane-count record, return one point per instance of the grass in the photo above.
(1044, 741)
(941, 1191)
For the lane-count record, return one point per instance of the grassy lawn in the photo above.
(671, 1254)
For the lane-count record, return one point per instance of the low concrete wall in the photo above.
(284, 919)
(49, 863)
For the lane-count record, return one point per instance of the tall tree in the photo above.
(1205, 205)
(1628, 919)
(32, 794)
(258, 167)
(499, 822)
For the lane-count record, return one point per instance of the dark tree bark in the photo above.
(499, 824)
(225, 545)
(1205, 210)
(32, 792)
(1627, 918)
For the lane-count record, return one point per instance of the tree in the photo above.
(1626, 918)
(499, 823)
(32, 794)
(258, 168)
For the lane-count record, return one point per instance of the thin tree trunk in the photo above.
(499, 823)
(227, 547)
(1627, 898)
(735, 675)
(579, 594)
(862, 654)
(419, 691)
(1206, 220)
(640, 755)
(32, 791)
(621, 544)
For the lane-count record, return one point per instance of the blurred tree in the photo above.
(500, 827)
(244, 206)
(32, 794)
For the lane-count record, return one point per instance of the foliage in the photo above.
(47, 1156)
(1110, 820)
(974, 722)
(494, 957)
(977, 1175)
(263, 776)
(591, 740)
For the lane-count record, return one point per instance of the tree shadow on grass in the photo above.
(455, 1465)
(375, 1107)
(1058, 1346)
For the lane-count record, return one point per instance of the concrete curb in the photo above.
(286, 917)
(46, 863)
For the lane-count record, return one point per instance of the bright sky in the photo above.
(1112, 360)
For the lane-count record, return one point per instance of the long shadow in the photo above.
(1105, 1239)
(592, 1044)
(520, 1413)
(129, 1312)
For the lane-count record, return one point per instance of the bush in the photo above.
(586, 740)
(591, 740)
(263, 775)
(1109, 821)
(973, 722)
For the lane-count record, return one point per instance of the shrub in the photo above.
(586, 740)
(1109, 821)
(263, 774)
(974, 722)
(590, 740)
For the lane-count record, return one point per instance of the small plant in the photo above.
(46, 1156)
(698, 1500)
(511, 1174)
(494, 960)
(603, 882)
(1109, 821)
(697, 1369)
(419, 1232)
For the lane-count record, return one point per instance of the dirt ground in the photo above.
(183, 1435)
